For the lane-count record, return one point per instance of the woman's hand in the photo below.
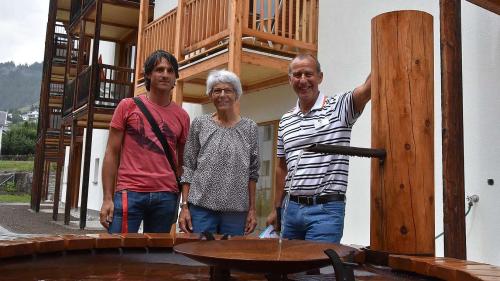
(185, 220)
(251, 222)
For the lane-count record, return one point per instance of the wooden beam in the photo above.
(203, 66)
(200, 100)
(178, 92)
(235, 34)
(452, 130)
(490, 5)
(265, 61)
(266, 84)
(94, 87)
(60, 164)
(179, 20)
(143, 21)
(281, 40)
(178, 46)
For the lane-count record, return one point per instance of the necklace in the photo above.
(147, 97)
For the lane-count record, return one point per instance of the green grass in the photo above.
(19, 166)
(11, 198)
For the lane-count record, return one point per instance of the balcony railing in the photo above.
(56, 89)
(282, 25)
(115, 83)
(83, 86)
(158, 34)
(69, 95)
(54, 120)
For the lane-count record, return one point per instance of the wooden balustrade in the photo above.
(283, 25)
(115, 84)
(290, 23)
(158, 34)
(205, 24)
(69, 95)
(83, 86)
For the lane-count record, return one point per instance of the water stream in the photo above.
(285, 204)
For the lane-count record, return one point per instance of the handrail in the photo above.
(8, 178)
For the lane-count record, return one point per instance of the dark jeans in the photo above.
(155, 209)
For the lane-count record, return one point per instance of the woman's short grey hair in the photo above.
(224, 76)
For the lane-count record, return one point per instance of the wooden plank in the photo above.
(452, 130)
(235, 34)
(212, 63)
(179, 23)
(140, 54)
(266, 84)
(402, 188)
(285, 41)
(265, 61)
(177, 93)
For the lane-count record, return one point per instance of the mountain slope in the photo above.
(19, 85)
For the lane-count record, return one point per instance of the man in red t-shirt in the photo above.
(139, 184)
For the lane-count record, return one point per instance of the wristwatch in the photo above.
(185, 203)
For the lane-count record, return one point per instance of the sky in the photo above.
(22, 30)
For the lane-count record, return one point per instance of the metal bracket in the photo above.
(348, 150)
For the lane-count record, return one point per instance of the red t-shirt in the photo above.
(143, 165)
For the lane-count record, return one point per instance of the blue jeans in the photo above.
(156, 209)
(320, 222)
(203, 219)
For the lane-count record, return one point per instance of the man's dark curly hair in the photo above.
(153, 60)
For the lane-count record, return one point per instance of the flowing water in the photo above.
(285, 205)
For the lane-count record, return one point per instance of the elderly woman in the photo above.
(221, 164)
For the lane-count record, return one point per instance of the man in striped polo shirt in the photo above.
(318, 183)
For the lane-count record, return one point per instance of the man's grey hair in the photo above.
(305, 56)
(224, 76)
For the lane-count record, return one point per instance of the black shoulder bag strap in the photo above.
(164, 144)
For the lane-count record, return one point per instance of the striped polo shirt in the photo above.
(329, 122)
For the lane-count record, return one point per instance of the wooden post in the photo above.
(453, 136)
(235, 33)
(60, 164)
(143, 21)
(94, 88)
(43, 119)
(402, 187)
(178, 93)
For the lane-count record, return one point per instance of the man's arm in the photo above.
(281, 171)
(362, 94)
(109, 171)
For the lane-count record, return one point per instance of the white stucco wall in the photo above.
(162, 7)
(99, 140)
(481, 84)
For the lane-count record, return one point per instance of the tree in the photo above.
(20, 139)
